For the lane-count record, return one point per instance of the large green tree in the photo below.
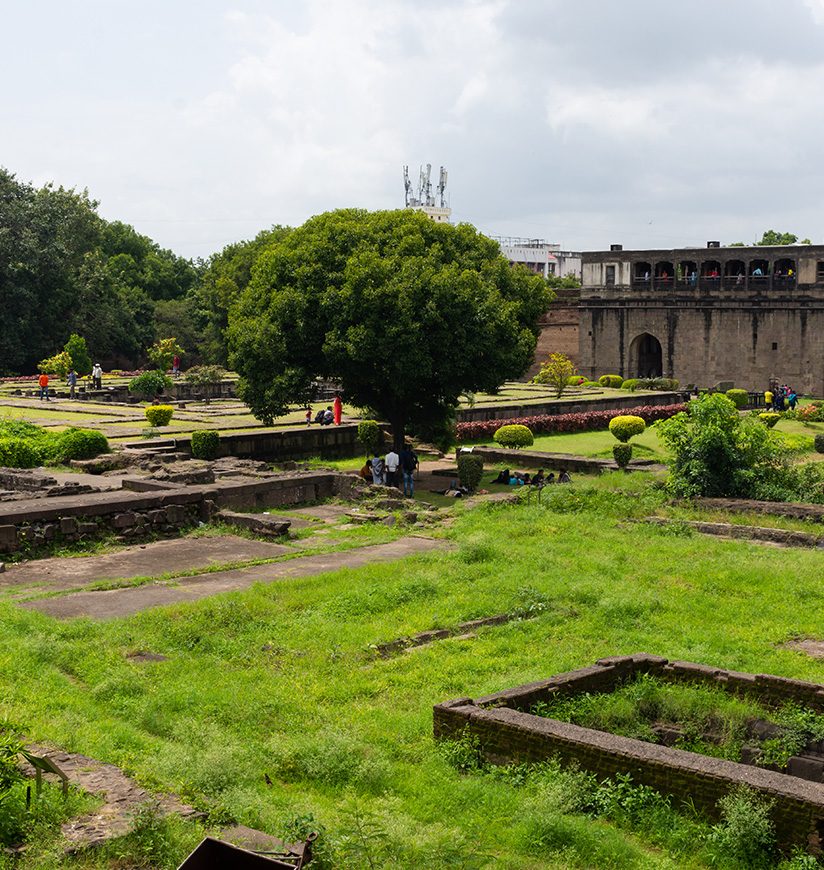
(407, 313)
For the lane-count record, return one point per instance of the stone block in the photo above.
(50, 531)
(176, 514)
(86, 528)
(806, 768)
(157, 517)
(8, 539)
(125, 520)
(68, 526)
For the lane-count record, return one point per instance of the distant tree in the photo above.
(771, 237)
(60, 364)
(179, 317)
(407, 314)
(163, 352)
(76, 348)
(563, 282)
(556, 370)
(205, 376)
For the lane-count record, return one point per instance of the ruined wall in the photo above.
(709, 339)
(559, 331)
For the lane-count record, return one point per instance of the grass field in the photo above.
(280, 681)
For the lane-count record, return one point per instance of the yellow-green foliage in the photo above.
(513, 435)
(625, 426)
(159, 415)
(205, 444)
(613, 381)
(739, 397)
(769, 418)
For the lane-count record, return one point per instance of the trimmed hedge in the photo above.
(205, 444)
(624, 426)
(769, 418)
(470, 470)
(77, 444)
(19, 453)
(740, 398)
(513, 435)
(818, 443)
(159, 415)
(550, 424)
(575, 380)
(622, 453)
(369, 434)
(613, 381)
(665, 385)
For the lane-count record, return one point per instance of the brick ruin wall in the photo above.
(509, 734)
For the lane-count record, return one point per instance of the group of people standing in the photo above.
(780, 397)
(71, 382)
(393, 469)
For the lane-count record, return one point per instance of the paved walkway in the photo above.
(144, 560)
(115, 603)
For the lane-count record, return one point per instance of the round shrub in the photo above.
(159, 415)
(630, 384)
(613, 381)
(78, 444)
(470, 470)
(769, 418)
(818, 443)
(664, 384)
(622, 453)
(19, 453)
(590, 384)
(150, 384)
(369, 434)
(205, 444)
(740, 398)
(513, 435)
(575, 381)
(625, 426)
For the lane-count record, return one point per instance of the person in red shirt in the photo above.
(43, 381)
(337, 409)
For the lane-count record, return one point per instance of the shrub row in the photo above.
(663, 384)
(550, 424)
(23, 445)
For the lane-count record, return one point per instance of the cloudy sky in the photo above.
(647, 122)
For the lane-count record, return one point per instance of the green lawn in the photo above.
(281, 680)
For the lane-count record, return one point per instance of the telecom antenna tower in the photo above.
(423, 200)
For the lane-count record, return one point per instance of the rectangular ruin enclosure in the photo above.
(508, 732)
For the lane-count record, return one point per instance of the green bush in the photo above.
(575, 380)
(19, 453)
(631, 384)
(769, 418)
(205, 444)
(150, 384)
(740, 398)
(614, 381)
(470, 470)
(664, 384)
(513, 435)
(369, 434)
(77, 444)
(818, 443)
(625, 426)
(590, 384)
(159, 415)
(622, 453)
(79, 353)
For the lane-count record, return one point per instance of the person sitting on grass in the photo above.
(539, 479)
(550, 478)
(503, 477)
(563, 476)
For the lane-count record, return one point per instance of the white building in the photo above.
(543, 258)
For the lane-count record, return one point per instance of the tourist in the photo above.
(550, 478)
(792, 400)
(408, 462)
(503, 477)
(758, 272)
(337, 409)
(392, 461)
(176, 366)
(527, 479)
(308, 415)
(539, 479)
(768, 399)
(97, 377)
(366, 471)
(71, 380)
(563, 476)
(43, 382)
(377, 467)
(328, 417)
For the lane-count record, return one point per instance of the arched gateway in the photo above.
(645, 359)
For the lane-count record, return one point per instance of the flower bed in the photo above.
(551, 424)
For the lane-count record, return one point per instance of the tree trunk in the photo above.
(398, 432)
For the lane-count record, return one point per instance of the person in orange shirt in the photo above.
(43, 381)
(337, 409)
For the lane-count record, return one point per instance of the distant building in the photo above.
(540, 257)
(423, 200)
(706, 315)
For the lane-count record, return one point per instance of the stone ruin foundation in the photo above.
(509, 734)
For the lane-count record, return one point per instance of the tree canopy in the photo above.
(406, 313)
(771, 237)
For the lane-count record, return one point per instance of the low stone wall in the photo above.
(509, 734)
(328, 442)
(569, 406)
(554, 461)
(34, 522)
(796, 510)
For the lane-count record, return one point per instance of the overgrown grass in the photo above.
(279, 679)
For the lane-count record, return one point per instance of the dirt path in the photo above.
(144, 560)
(114, 603)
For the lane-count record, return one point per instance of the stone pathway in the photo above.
(122, 797)
(145, 560)
(115, 603)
